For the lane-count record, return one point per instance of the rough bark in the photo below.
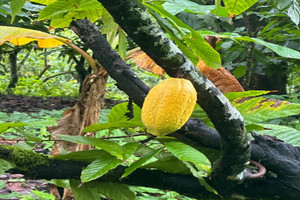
(146, 32)
(13, 69)
(126, 79)
(281, 159)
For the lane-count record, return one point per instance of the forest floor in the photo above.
(16, 183)
(25, 104)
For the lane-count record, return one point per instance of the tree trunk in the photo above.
(13, 69)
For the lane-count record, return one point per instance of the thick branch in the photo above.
(111, 61)
(133, 17)
(281, 158)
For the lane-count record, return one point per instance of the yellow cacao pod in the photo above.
(168, 106)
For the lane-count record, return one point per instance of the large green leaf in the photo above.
(260, 109)
(236, 7)
(285, 133)
(99, 167)
(62, 12)
(280, 50)
(111, 147)
(193, 39)
(95, 190)
(187, 153)
(140, 162)
(16, 7)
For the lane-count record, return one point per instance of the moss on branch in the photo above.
(23, 159)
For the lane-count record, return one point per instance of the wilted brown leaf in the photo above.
(143, 61)
(221, 78)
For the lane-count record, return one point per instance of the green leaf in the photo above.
(236, 7)
(187, 153)
(285, 133)
(86, 191)
(291, 8)
(193, 40)
(88, 156)
(109, 25)
(119, 111)
(5, 126)
(239, 71)
(176, 6)
(62, 12)
(63, 183)
(220, 11)
(99, 167)
(140, 162)
(2, 185)
(122, 46)
(207, 53)
(116, 191)
(5, 165)
(25, 145)
(111, 147)
(44, 2)
(260, 109)
(16, 7)
(43, 195)
(10, 195)
(173, 32)
(280, 50)
(172, 165)
(113, 125)
(199, 113)
(31, 137)
(249, 93)
(118, 118)
(200, 177)
(129, 149)
(254, 127)
(94, 191)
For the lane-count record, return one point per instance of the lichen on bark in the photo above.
(23, 159)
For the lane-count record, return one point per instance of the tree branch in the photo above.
(133, 17)
(111, 61)
(282, 181)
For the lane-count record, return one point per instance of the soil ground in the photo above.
(11, 103)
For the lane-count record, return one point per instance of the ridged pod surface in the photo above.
(168, 106)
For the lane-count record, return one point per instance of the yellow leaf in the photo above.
(44, 2)
(21, 36)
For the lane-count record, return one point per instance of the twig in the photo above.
(59, 74)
